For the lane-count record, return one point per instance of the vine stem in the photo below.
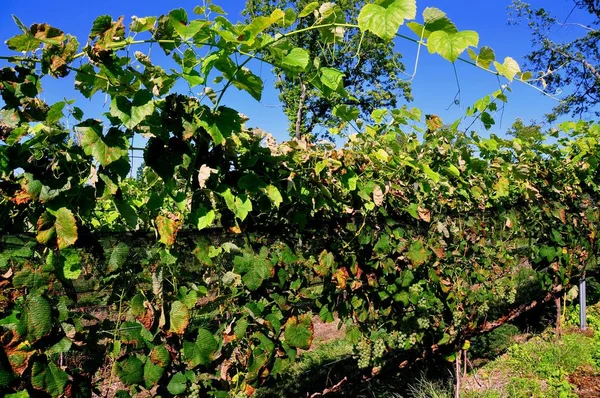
(285, 35)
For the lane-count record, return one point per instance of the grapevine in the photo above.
(212, 264)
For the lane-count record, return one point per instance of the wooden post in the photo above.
(457, 392)
(582, 304)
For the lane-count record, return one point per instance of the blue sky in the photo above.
(434, 86)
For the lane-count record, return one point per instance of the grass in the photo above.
(543, 366)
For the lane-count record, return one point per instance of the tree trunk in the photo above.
(299, 115)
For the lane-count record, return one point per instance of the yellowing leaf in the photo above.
(66, 228)
(508, 69)
(179, 317)
(299, 332)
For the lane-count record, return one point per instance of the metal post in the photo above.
(582, 309)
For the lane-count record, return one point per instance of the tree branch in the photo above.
(585, 64)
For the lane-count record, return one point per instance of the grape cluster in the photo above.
(512, 296)
(415, 290)
(378, 349)
(423, 323)
(195, 391)
(500, 291)
(457, 317)
(401, 340)
(364, 353)
(413, 339)
(483, 309)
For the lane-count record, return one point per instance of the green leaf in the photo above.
(216, 9)
(64, 345)
(71, 268)
(66, 228)
(179, 317)
(105, 149)
(179, 20)
(239, 205)
(435, 177)
(178, 384)
(346, 112)
(308, 9)
(221, 124)
(299, 332)
(155, 365)
(508, 69)
(55, 113)
(274, 195)
(131, 370)
(39, 318)
(24, 42)
(202, 351)
(132, 113)
(485, 57)
(205, 218)
(257, 26)
(255, 269)
(434, 20)
(417, 253)
(548, 252)
(118, 257)
(296, 60)
(451, 45)
(142, 24)
(385, 22)
(332, 78)
(127, 212)
(49, 378)
(241, 77)
(20, 394)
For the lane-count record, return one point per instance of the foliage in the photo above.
(494, 343)
(206, 271)
(372, 70)
(569, 65)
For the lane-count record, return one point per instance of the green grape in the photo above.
(195, 391)
(378, 349)
(364, 353)
(401, 340)
(415, 290)
(423, 323)
(413, 339)
(512, 296)
(483, 309)
(457, 317)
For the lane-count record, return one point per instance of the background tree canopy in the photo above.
(372, 75)
(572, 65)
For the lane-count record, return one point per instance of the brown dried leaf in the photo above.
(424, 214)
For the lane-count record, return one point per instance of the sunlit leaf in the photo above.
(451, 45)
(384, 22)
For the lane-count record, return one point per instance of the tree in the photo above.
(572, 66)
(372, 76)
